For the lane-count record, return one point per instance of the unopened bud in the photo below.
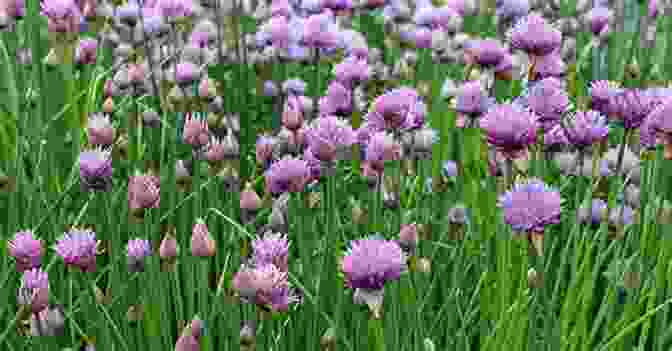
(535, 279)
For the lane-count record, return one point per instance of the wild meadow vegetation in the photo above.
(335, 175)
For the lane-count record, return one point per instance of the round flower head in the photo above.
(530, 206)
(632, 106)
(555, 137)
(586, 128)
(26, 249)
(99, 130)
(78, 249)
(265, 286)
(484, 52)
(534, 35)
(601, 94)
(143, 192)
(329, 135)
(550, 66)
(34, 290)
(510, 128)
(382, 148)
(472, 99)
(395, 109)
(287, 175)
(175, 9)
(63, 16)
(371, 262)
(351, 71)
(136, 252)
(95, 170)
(647, 134)
(548, 101)
(337, 101)
(320, 31)
(273, 248)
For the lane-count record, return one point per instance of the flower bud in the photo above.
(202, 243)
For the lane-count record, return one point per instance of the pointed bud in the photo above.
(108, 105)
(202, 243)
(535, 280)
(249, 199)
(328, 340)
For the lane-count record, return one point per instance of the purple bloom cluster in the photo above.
(530, 206)
(372, 262)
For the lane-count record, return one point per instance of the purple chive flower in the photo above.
(352, 71)
(598, 18)
(26, 249)
(34, 290)
(472, 100)
(95, 170)
(394, 110)
(329, 135)
(175, 9)
(86, 51)
(320, 31)
(601, 94)
(422, 38)
(586, 128)
(292, 114)
(550, 66)
(273, 248)
(548, 101)
(594, 217)
(338, 100)
(314, 164)
(13, 9)
(189, 339)
(511, 10)
(143, 192)
(530, 206)
(78, 249)
(653, 8)
(484, 52)
(63, 16)
(534, 35)
(281, 8)
(555, 136)
(371, 262)
(265, 286)
(632, 106)
(659, 127)
(287, 175)
(647, 134)
(136, 252)
(196, 132)
(510, 128)
(278, 31)
(381, 148)
(187, 73)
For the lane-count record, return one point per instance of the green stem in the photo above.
(376, 334)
